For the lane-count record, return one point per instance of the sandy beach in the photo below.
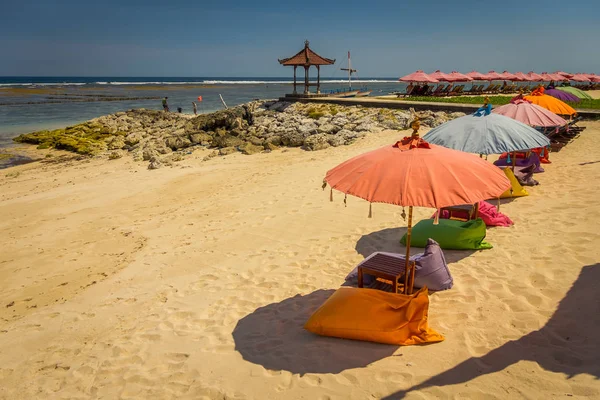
(194, 282)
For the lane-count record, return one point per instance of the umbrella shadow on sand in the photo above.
(273, 336)
(388, 240)
(568, 343)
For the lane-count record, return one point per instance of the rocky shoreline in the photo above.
(261, 126)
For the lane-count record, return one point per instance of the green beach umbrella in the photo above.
(574, 91)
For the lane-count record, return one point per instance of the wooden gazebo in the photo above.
(305, 58)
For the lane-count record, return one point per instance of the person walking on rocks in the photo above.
(195, 108)
(165, 104)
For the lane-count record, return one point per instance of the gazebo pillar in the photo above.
(295, 66)
(318, 79)
(306, 67)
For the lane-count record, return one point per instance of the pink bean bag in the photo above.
(487, 212)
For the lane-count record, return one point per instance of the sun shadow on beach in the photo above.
(273, 336)
(567, 344)
(388, 240)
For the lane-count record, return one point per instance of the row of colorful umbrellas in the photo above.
(417, 172)
(455, 76)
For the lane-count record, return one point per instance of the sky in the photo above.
(206, 38)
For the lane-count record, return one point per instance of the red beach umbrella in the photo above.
(440, 76)
(509, 77)
(520, 76)
(530, 114)
(418, 76)
(580, 78)
(564, 74)
(533, 77)
(546, 76)
(460, 77)
(494, 76)
(476, 76)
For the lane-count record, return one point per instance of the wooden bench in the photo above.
(385, 267)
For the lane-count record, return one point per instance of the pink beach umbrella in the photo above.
(546, 77)
(520, 76)
(564, 74)
(580, 78)
(529, 114)
(476, 76)
(595, 78)
(494, 76)
(440, 76)
(533, 77)
(509, 77)
(460, 77)
(418, 76)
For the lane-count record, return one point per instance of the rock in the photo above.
(177, 142)
(155, 163)
(227, 150)
(115, 155)
(133, 138)
(149, 153)
(213, 154)
(336, 140)
(328, 128)
(316, 142)
(250, 148)
(270, 146)
(293, 139)
(275, 140)
(226, 141)
(200, 138)
(116, 143)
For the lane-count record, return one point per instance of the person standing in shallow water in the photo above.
(195, 108)
(165, 104)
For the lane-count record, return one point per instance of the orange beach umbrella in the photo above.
(414, 173)
(551, 103)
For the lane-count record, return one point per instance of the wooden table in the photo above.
(471, 209)
(385, 267)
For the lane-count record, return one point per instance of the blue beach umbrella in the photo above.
(486, 133)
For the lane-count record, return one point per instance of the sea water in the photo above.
(28, 104)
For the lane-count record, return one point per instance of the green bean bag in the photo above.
(450, 234)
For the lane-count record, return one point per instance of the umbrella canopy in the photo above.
(547, 77)
(440, 76)
(521, 76)
(509, 77)
(577, 92)
(460, 77)
(552, 103)
(476, 76)
(493, 76)
(580, 78)
(423, 176)
(533, 77)
(488, 134)
(595, 78)
(529, 114)
(565, 75)
(418, 76)
(414, 173)
(564, 96)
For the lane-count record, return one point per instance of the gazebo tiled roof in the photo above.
(306, 57)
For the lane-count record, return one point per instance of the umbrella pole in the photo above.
(407, 263)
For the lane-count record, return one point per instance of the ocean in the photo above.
(28, 104)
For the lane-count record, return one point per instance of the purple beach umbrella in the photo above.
(564, 96)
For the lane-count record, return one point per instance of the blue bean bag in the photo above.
(450, 234)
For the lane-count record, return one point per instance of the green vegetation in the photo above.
(87, 138)
(593, 104)
(314, 113)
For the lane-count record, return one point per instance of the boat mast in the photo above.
(350, 71)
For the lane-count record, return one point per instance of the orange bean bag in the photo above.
(375, 316)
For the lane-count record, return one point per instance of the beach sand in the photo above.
(194, 282)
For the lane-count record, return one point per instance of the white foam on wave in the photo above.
(206, 82)
(45, 84)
